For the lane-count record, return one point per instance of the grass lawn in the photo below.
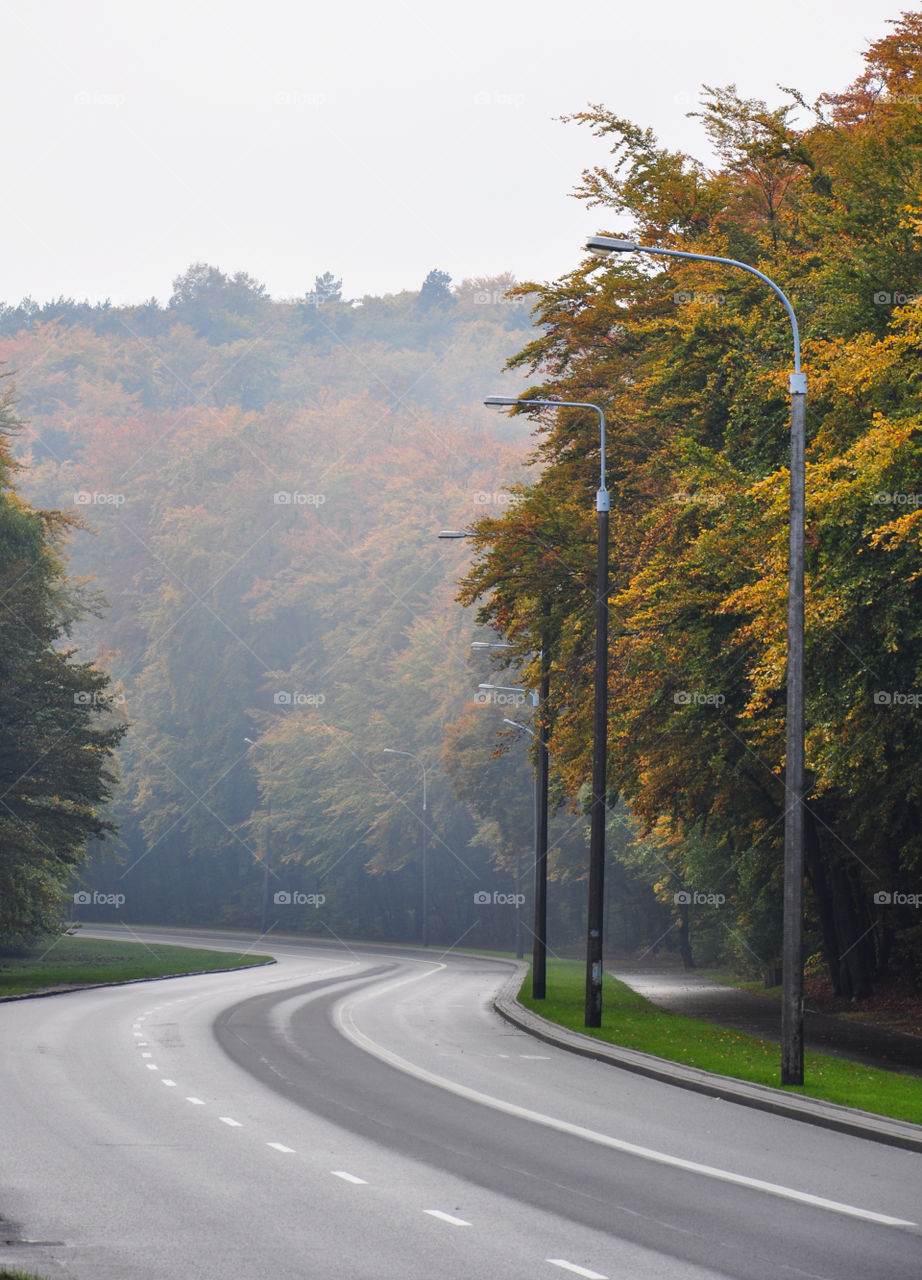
(632, 1021)
(74, 960)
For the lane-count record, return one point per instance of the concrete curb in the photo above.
(828, 1115)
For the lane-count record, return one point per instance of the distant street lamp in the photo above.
(265, 906)
(518, 857)
(792, 995)
(593, 1012)
(424, 924)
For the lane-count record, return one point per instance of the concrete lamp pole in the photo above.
(597, 811)
(792, 997)
(424, 924)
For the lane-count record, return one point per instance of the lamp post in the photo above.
(792, 994)
(593, 1013)
(516, 724)
(265, 906)
(424, 924)
(539, 931)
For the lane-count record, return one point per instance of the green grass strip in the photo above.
(632, 1021)
(70, 961)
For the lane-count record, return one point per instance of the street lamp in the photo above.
(792, 993)
(518, 856)
(265, 907)
(539, 949)
(424, 924)
(593, 1015)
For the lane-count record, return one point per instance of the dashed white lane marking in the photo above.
(577, 1271)
(147, 1055)
(142, 1044)
(234, 1124)
(346, 1023)
(535, 1057)
(137, 1034)
(196, 1102)
(169, 1083)
(349, 1177)
(280, 1146)
(151, 1066)
(446, 1217)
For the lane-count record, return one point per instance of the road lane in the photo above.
(338, 1163)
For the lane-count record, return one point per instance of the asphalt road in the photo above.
(365, 1114)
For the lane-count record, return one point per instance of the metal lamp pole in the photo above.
(792, 994)
(424, 927)
(593, 1014)
(539, 931)
(265, 907)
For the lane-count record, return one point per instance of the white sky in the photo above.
(285, 138)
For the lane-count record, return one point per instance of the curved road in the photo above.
(364, 1113)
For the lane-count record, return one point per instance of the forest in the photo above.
(287, 684)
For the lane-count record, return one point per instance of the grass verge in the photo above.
(630, 1020)
(77, 961)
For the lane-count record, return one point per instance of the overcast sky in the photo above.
(286, 138)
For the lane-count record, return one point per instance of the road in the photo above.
(364, 1113)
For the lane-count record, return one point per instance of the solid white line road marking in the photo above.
(346, 1023)
(278, 1146)
(446, 1217)
(234, 1124)
(577, 1271)
(349, 1177)
(197, 1102)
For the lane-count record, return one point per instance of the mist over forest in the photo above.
(260, 486)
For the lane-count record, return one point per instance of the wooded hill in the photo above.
(262, 484)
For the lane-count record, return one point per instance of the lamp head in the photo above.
(605, 246)
(501, 401)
